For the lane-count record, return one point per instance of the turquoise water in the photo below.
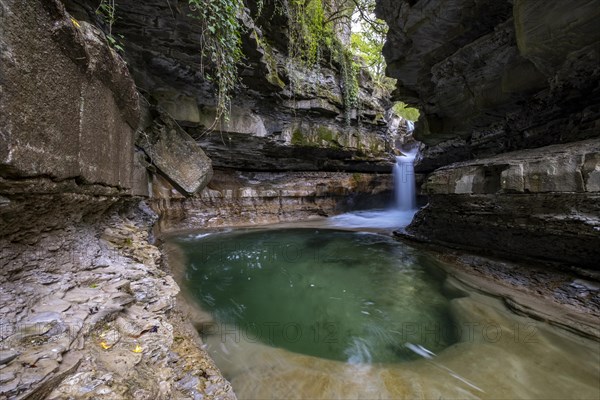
(341, 295)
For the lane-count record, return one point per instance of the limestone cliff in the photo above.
(85, 309)
(286, 120)
(495, 76)
(285, 117)
(542, 203)
(512, 86)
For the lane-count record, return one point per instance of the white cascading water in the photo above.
(404, 182)
(405, 204)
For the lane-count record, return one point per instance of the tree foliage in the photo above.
(368, 39)
(402, 110)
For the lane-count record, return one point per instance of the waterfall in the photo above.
(404, 182)
(402, 212)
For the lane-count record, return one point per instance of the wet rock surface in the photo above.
(546, 292)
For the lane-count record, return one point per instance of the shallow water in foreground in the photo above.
(316, 313)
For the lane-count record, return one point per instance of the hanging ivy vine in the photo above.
(349, 70)
(308, 33)
(221, 47)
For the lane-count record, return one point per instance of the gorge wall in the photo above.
(89, 143)
(511, 119)
(86, 309)
(95, 152)
(291, 148)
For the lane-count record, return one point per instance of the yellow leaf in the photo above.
(74, 21)
(105, 346)
(138, 349)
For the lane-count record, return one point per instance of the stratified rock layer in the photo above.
(285, 118)
(87, 313)
(542, 203)
(249, 198)
(493, 79)
(85, 310)
(495, 76)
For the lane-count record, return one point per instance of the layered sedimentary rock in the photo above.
(85, 309)
(87, 312)
(542, 203)
(287, 121)
(69, 107)
(237, 198)
(495, 76)
(287, 117)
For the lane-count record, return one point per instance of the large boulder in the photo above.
(175, 154)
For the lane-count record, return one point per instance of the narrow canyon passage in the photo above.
(273, 199)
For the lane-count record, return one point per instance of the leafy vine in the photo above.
(221, 44)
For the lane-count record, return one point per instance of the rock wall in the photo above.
(513, 87)
(285, 122)
(68, 114)
(237, 198)
(542, 203)
(495, 76)
(85, 309)
(285, 118)
(69, 107)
